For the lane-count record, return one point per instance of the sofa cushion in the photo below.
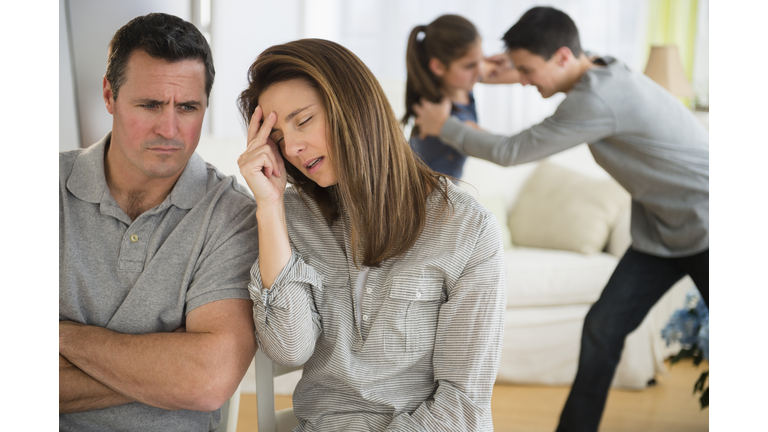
(543, 277)
(620, 239)
(561, 209)
(495, 205)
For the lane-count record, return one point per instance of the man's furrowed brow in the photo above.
(149, 101)
(191, 103)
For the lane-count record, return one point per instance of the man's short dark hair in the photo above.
(161, 36)
(542, 31)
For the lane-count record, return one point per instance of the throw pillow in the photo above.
(561, 209)
(499, 209)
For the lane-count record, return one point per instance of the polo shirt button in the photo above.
(365, 317)
(418, 295)
(368, 290)
(134, 238)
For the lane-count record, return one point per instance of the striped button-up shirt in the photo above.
(425, 355)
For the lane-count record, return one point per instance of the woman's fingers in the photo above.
(261, 160)
(279, 162)
(254, 125)
(259, 131)
(262, 135)
(261, 164)
(258, 138)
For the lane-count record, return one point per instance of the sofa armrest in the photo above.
(620, 238)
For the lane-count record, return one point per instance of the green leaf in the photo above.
(699, 386)
(704, 399)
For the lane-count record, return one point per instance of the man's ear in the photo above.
(563, 56)
(106, 93)
(437, 67)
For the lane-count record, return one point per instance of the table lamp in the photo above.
(664, 67)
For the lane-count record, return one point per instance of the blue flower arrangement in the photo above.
(690, 327)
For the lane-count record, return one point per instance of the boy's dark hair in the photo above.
(542, 31)
(161, 36)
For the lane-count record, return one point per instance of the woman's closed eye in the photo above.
(278, 140)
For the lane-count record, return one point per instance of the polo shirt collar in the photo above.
(88, 182)
(191, 186)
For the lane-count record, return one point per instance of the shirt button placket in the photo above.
(134, 245)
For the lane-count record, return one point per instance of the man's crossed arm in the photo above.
(197, 369)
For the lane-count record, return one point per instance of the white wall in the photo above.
(69, 133)
(240, 30)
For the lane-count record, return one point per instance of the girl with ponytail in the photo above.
(443, 58)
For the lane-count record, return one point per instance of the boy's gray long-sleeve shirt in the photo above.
(640, 134)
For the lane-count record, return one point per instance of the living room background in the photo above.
(376, 30)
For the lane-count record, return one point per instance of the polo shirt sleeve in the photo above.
(222, 269)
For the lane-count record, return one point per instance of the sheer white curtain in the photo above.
(377, 31)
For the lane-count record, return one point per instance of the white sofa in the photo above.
(551, 290)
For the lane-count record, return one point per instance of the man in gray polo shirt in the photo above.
(155, 246)
(641, 135)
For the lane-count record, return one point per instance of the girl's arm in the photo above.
(498, 69)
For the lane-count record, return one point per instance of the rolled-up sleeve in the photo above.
(468, 343)
(286, 318)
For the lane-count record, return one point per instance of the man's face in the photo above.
(157, 117)
(546, 75)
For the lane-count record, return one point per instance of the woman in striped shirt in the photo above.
(380, 276)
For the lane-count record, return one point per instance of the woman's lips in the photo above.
(311, 169)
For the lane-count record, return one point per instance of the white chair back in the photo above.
(270, 420)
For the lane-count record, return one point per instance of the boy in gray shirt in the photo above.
(155, 247)
(643, 137)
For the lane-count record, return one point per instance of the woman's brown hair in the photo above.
(381, 186)
(447, 38)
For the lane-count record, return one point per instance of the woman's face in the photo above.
(464, 72)
(299, 130)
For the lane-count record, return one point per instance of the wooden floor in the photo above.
(669, 406)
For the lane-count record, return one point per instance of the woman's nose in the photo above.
(292, 145)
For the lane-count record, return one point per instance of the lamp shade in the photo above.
(664, 67)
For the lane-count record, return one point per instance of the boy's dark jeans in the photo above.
(635, 286)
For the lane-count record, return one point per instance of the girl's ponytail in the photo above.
(447, 38)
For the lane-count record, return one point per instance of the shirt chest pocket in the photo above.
(411, 313)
